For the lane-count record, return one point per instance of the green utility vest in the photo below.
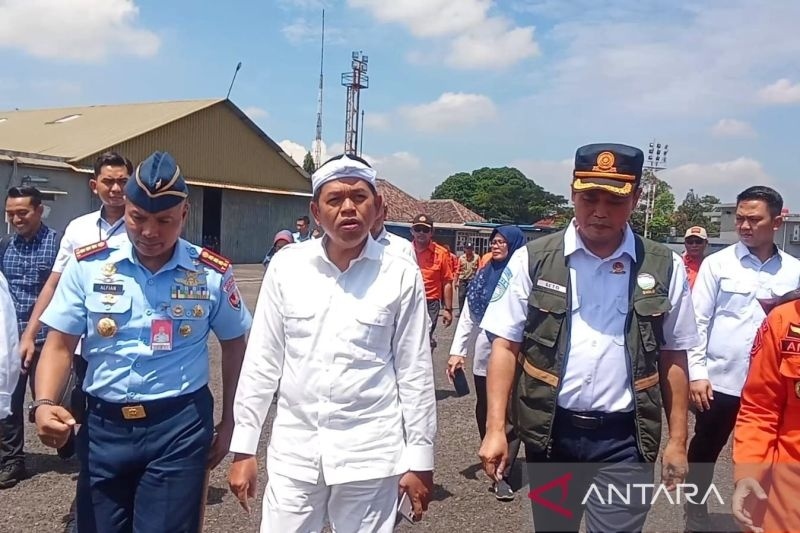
(547, 334)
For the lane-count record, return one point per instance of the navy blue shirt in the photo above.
(26, 265)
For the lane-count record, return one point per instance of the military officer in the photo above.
(146, 306)
(592, 327)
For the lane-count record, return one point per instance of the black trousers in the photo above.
(481, 407)
(144, 476)
(576, 476)
(463, 285)
(12, 427)
(711, 431)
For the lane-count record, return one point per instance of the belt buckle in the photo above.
(133, 412)
(585, 421)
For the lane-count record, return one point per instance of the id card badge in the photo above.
(161, 334)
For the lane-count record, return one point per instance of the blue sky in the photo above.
(454, 84)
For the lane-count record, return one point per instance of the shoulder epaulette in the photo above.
(214, 260)
(87, 251)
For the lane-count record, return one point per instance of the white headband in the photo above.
(344, 167)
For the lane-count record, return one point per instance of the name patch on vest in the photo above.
(790, 346)
(550, 285)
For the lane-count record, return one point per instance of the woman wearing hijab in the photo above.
(281, 239)
(504, 241)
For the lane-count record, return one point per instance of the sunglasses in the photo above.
(421, 229)
(694, 241)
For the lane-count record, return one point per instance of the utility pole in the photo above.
(318, 138)
(656, 161)
(355, 80)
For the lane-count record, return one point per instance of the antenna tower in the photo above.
(318, 139)
(355, 80)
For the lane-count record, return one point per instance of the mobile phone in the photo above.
(460, 382)
(405, 510)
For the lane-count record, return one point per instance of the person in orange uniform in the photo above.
(437, 272)
(695, 241)
(766, 439)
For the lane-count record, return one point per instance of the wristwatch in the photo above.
(35, 405)
(448, 309)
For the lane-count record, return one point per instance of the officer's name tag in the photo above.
(552, 286)
(109, 288)
(161, 334)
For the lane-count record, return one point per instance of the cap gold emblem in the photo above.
(197, 311)
(106, 327)
(185, 330)
(605, 161)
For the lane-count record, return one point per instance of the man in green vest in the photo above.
(590, 328)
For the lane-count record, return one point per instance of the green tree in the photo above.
(692, 213)
(663, 208)
(500, 195)
(308, 163)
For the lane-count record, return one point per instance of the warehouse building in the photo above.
(243, 187)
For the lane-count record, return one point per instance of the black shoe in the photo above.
(503, 492)
(11, 474)
(68, 449)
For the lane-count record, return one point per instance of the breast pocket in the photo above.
(371, 335)
(190, 320)
(733, 297)
(546, 313)
(107, 314)
(790, 371)
(298, 321)
(650, 313)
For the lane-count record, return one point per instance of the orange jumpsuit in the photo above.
(766, 443)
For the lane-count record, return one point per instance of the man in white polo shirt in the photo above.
(356, 415)
(732, 289)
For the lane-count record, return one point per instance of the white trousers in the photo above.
(292, 506)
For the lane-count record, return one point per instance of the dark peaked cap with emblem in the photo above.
(157, 184)
(616, 168)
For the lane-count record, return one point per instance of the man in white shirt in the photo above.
(394, 243)
(10, 361)
(732, 289)
(303, 232)
(111, 172)
(599, 321)
(341, 325)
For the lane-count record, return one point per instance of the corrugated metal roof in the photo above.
(72, 133)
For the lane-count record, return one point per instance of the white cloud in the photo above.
(377, 121)
(730, 127)
(475, 39)
(679, 60)
(255, 113)
(782, 91)
(78, 30)
(494, 44)
(295, 150)
(298, 151)
(450, 111)
(301, 30)
(722, 179)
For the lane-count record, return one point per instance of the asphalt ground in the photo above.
(461, 499)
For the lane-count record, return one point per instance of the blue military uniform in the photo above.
(145, 442)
